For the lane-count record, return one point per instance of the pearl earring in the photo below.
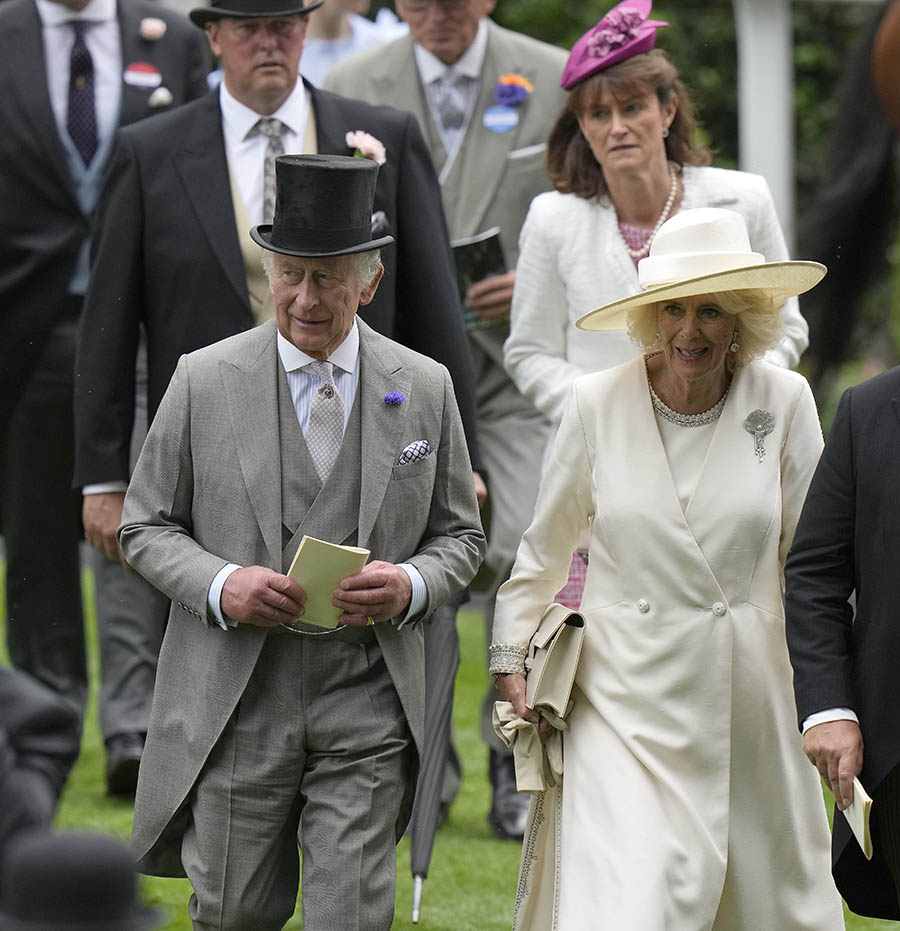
(734, 346)
(666, 133)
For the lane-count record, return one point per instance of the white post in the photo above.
(766, 99)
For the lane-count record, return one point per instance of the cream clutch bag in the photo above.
(553, 659)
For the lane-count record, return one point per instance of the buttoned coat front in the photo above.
(686, 802)
(207, 491)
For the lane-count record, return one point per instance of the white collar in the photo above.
(469, 63)
(344, 357)
(240, 119)
(55, 14)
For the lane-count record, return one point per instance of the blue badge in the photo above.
(500, 118)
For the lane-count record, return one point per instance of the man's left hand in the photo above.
(491, 299)
(379, 591)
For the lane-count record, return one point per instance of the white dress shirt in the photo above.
(246, 150)
(302, 385)
(104, 44)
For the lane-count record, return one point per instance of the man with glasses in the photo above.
(174, 256)
(485, 98)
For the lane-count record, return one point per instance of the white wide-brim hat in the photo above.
(703, 251)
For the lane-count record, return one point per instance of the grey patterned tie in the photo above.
(271, 128)
(326, 419)
(451, 101)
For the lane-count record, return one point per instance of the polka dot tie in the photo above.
(271, 128)
(81, 115)
(326, 419)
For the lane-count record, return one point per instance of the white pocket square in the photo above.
(161, 97)
(413, 452)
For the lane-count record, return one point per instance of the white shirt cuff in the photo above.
(419, 596)
(214, 596)
(829, 714)
(102, 488)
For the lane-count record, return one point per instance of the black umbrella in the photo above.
(441, 662)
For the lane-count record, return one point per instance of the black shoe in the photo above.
(509, 808)
(123, 758)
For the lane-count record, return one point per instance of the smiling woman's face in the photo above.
(626, 132)
(696, 334)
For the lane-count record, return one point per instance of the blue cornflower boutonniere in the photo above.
(511, 89)
(394, 397)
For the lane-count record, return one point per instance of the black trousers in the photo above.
(42, 522)
(886, 815)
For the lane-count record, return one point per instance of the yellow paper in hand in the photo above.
(857, 815)
(318, 567)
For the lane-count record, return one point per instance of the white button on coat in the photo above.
(719, 609)
(643, 606)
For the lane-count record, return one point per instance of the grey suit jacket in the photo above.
(495, 175)
(215, 440)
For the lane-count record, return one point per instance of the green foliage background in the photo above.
(701, 41)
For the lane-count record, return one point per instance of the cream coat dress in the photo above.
(686, 803)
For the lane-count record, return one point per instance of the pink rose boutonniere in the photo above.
(366, 146)
(152, 28)
(511, 89)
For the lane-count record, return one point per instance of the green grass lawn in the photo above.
(472, 880)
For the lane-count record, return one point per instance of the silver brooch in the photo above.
(759, 424)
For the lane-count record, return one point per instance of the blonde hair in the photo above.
(758, 327)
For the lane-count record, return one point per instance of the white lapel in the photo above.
(734, 482)
(615, 256)
(632, 463)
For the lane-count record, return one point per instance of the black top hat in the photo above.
(323, 206)
(250, 9)
(70, 882)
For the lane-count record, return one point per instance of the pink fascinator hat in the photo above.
(623, 32)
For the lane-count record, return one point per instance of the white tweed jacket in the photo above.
(572, 259)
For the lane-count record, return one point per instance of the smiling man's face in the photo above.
(260, 57)
(316, 300)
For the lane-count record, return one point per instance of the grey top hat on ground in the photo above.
(323, 207)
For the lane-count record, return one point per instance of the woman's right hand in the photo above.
(512, 689)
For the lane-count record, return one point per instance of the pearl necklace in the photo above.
(687, 420)
(673, 190)
(683, 420)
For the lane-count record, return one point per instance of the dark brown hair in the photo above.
(570, 161)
